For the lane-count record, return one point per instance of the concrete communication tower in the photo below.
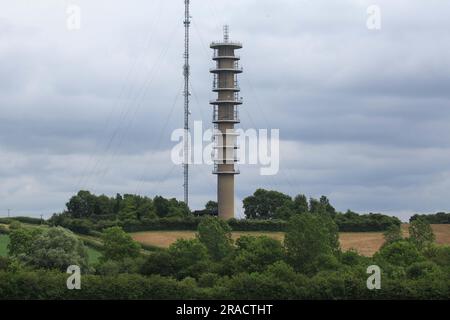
(225, 116)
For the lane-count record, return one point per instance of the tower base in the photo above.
(225, 194)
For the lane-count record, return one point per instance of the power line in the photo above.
(95, 157)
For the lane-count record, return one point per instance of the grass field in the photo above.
(93, 255)
(4, 240)
(366, 243)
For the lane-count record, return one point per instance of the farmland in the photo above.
(366, 243)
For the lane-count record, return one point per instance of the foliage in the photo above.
(3, 229)
(189, 258)
(4, 242)
(308, 238)
(21, 241)
(267, 211)
(118, 245)
(438, 218)
(393, 233)
(263, 204)
(354, 222)
(422, 270)
(114, 267)
(27, 220)
(256, 268)
(439, 254)
(159, 262)
(47, 248)
(420, 232)
(400, 253)
(215, 234)
(121, 207)
(256, 253)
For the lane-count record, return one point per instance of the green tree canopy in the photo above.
(310, 237)
(263, 204)
(211, 206)
(420, 232)
(52, 248)
(301, 204)
(189, 258)
(118, 245)
(393, 233)
(21, 241)
(256, 253)
(400, 253)
(215, 234)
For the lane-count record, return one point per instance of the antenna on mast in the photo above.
(186, 71)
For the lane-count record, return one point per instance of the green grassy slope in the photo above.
(4, 240)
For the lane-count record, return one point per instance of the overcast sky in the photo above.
(363, 114)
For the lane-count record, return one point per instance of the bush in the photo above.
(4, 230)
(439, 254)
(49, 248)
(256, 253)
(189, 258)
(4, 263)
(401, 253)
(160, 263)
(118, 245)
(28, 220)
(127, 265)
(353, 222)
(422, 269)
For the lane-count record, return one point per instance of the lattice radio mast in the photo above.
(186, 72)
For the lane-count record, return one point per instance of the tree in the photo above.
(53, 248)
(215, 234)
(263, 204)
(189, 258)
(420, 232)
(392, 234)
(118, 245)
(21, 241)
(329, 209)
(170, 208)
(301, 204)
(256, 253)
(160, 263)
(285, 211)
(400, 253)
(212, 206)
(322, 206)
(82, 205)
(307, 239)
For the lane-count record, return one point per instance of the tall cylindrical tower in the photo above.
(225, 116)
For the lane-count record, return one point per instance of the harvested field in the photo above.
(366, 243)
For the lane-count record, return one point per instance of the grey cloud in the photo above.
(363, 115)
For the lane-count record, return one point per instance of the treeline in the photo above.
(438, 218)
(29, 220)
(309, 264)
(264, 210)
